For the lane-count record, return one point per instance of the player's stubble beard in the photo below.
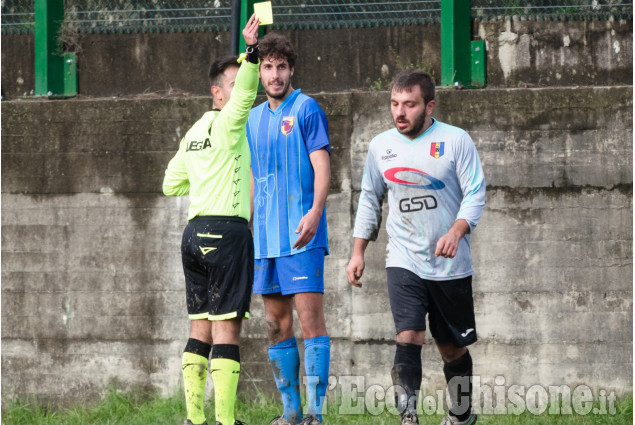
(283, 93)
(415, 128)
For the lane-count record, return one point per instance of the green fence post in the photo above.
(70, 74)
(48, 66)
(478, 58)
(55, 73)
(455, 42)
(461, 62)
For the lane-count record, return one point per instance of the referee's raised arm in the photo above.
(234, 114)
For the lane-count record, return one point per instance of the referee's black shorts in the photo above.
(448, 304)
(218, 261)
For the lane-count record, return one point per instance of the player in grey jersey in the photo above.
(436, 192)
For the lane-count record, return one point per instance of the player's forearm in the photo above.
(368, 217)
(359, 247)
(322, 168)
(473, 186)
(321, 191)
(460, 228)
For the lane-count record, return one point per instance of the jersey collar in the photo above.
(287, 101)
(419, 137)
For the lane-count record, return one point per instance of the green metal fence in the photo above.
(18, 16)
(128, 16)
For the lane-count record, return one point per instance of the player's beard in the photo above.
(415, 128)
(282, 93)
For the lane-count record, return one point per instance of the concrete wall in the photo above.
(92, 285)
(519, 54)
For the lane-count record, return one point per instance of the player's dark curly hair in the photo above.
(278, 47)
(408, 78)
(219, 66)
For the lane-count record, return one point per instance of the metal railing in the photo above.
(18, 16)
(133, 16)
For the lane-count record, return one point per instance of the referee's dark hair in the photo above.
(219, 66)
(414, 77)
(278, 47)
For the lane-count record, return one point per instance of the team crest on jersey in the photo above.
(287, 125)
(436, 149)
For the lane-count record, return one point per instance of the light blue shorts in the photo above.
(303, 272)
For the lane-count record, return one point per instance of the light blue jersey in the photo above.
(280, 142)
(431, 181)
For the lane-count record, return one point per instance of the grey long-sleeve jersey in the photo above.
(431, 181)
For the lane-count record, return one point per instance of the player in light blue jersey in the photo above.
(290, 161)
(433, 177)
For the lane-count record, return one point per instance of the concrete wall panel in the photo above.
(534, 53)
(92, 277)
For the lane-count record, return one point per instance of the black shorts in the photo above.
(218, 261)
(448, 303)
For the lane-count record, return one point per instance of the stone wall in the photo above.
(519, 54)
(92, 285)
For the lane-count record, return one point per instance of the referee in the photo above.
(212, 167)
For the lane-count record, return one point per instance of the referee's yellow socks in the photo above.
(225, 370)
(194, 377)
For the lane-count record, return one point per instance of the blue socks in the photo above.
(285, 362)
(317, 355)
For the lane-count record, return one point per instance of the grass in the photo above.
(123, 409)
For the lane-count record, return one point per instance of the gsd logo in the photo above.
(417, 203)
(287, 125)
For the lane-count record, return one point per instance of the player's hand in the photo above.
(447, 245)
(250, 32)
(355, 270)
(307, 228)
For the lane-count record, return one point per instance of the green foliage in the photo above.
(379, 84)
(119, 408)
(116, 408)
(383, 83)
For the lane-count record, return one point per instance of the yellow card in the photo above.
(264, 13)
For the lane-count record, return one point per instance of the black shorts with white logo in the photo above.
(218, 261)
(448, 303)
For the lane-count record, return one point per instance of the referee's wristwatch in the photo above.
(252, 53)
